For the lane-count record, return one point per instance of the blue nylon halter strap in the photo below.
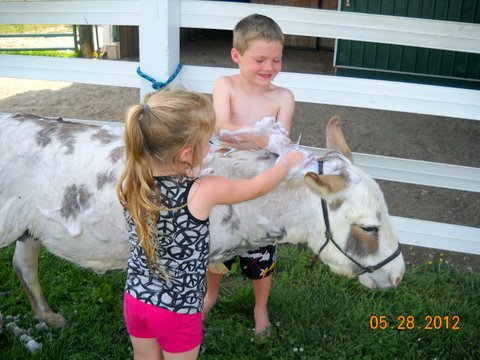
(159, 85)
(329, 238)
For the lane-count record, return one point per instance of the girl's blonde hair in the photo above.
(255, 27)
(155, 133)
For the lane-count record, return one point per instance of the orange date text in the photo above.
(409, 322)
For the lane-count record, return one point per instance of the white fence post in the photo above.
(159, 42)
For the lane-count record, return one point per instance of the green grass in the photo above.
(36, 29)
(316, 314)
(53, 53)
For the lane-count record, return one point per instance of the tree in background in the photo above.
(85, 36)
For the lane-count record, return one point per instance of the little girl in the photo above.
(167, 207)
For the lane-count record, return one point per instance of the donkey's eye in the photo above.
(370, 229)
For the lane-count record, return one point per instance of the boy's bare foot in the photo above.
(264, 335)
(262, 322)
(208, 303)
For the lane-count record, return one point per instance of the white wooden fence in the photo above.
(159, 24)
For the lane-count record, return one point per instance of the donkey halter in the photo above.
(329, 238)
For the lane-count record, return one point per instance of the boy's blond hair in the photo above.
(255, 27)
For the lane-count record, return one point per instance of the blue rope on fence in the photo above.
(159, 85)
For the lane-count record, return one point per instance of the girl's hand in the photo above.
(293, 159)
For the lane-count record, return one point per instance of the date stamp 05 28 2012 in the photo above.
(409, 322)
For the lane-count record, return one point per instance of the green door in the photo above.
(407, 63)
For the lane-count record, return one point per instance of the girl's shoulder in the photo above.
(205, 193)
(208, 180)
(211, 188)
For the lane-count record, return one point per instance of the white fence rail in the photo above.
(160, 20)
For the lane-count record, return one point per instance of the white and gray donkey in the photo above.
(57, 189)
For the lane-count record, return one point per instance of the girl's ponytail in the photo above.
(135, 188)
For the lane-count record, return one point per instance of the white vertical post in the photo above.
(159, 43)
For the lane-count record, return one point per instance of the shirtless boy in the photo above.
(240, 101)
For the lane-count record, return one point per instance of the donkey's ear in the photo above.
(324, 185)
(336, 139)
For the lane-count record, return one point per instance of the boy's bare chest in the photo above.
(247, 110)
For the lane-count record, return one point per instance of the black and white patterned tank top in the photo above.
(182, 251)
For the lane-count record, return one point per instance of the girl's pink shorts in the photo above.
(174, 332)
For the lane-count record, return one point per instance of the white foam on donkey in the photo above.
(278, 142)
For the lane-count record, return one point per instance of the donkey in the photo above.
(57, 189)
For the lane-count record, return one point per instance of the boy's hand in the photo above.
(265, 134)
(260, 141)
(278, 144)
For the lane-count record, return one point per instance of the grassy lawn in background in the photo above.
(53, 53)
(316, 314)
(34, 28)
(38, 29)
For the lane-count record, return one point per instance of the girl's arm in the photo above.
(213, 190)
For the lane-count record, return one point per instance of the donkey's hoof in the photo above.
(55, 320)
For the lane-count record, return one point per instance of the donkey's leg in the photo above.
(25, 262)
(335, 138)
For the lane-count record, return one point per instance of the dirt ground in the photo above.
(396, 134)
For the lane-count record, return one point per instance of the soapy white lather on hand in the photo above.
(266, 127)
(279, 143)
